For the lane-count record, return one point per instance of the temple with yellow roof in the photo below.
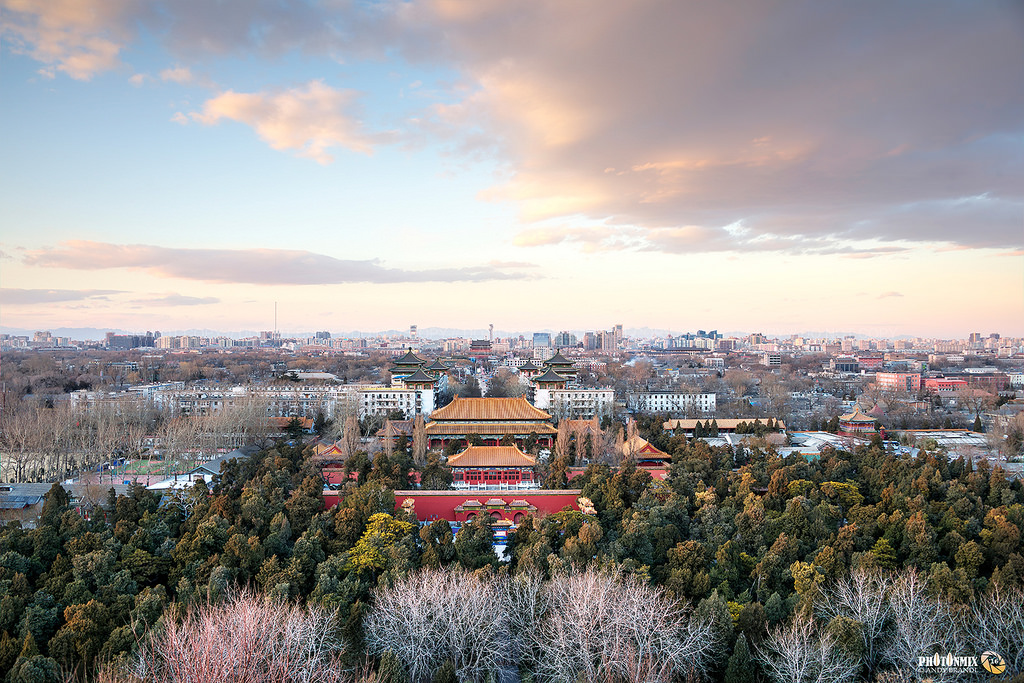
(503, 467)
(492, 419)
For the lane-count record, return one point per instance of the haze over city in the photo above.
(762, 167)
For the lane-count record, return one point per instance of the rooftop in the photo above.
(558, 359)
(550, 376)
(484, 409)
(491, 456)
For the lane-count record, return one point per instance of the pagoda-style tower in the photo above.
(856, 424)
(405, 366)
(528, 370)
(562, 366)
(544, 385)
(436, 368)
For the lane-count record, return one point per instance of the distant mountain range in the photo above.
(95, 333)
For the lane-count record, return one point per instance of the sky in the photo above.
(773, 166)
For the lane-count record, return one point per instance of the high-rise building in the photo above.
(541, 340)
(564, 339)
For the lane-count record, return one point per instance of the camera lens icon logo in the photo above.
(992, 662)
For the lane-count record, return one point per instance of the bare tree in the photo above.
(799, 652)
(864, 598)
(432, 616)
(920, 624)
(350, 436)
(562, 440)
(419, 442)
(996, 622)
(248, 639)
(602, 626)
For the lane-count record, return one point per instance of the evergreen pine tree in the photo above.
(9, 648)
(741, 665)
(715, 610)
(977, 424)
(774, 609)
(29, 648)
(390, 669)
(445, 673)
(885, 554)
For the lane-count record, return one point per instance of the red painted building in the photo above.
(491, 419)
(856, 424)
(944, 385)
(493, 467)
(504, 507)
(464, 506)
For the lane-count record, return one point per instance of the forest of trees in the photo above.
(739, 567)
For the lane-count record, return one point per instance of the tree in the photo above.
(436, 476)
(996, 622)
(919, 623)
(350, 437)
(474, 543)
(247, 638)
(378, 549)
(601, 625)
(798, 653)
(445, 673)
(419, 441)
(863, 597)
(390, 669)
(741, 665)
(431, 617)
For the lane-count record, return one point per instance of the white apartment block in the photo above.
(384, 400)
(575, 404)
(671, 402)
(298, 401)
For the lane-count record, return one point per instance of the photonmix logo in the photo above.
(948, 663)
(993, 663)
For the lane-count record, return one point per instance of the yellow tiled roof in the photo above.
(856, 416)
(479, 409)
(637, 445)
(485, 428)
(491, 456)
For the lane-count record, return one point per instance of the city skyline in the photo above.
(775, 168)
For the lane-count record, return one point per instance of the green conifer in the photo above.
(741, 665)
(445, 673)
(390, 669)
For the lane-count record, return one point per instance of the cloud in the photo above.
(177, 300)
(804, 122)
(691, 239)
(30, 297)
(888, 295)
(178, 74)
(308, 120)
(77, 37)
(249, 266)
(682, 115)
(511, 264)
